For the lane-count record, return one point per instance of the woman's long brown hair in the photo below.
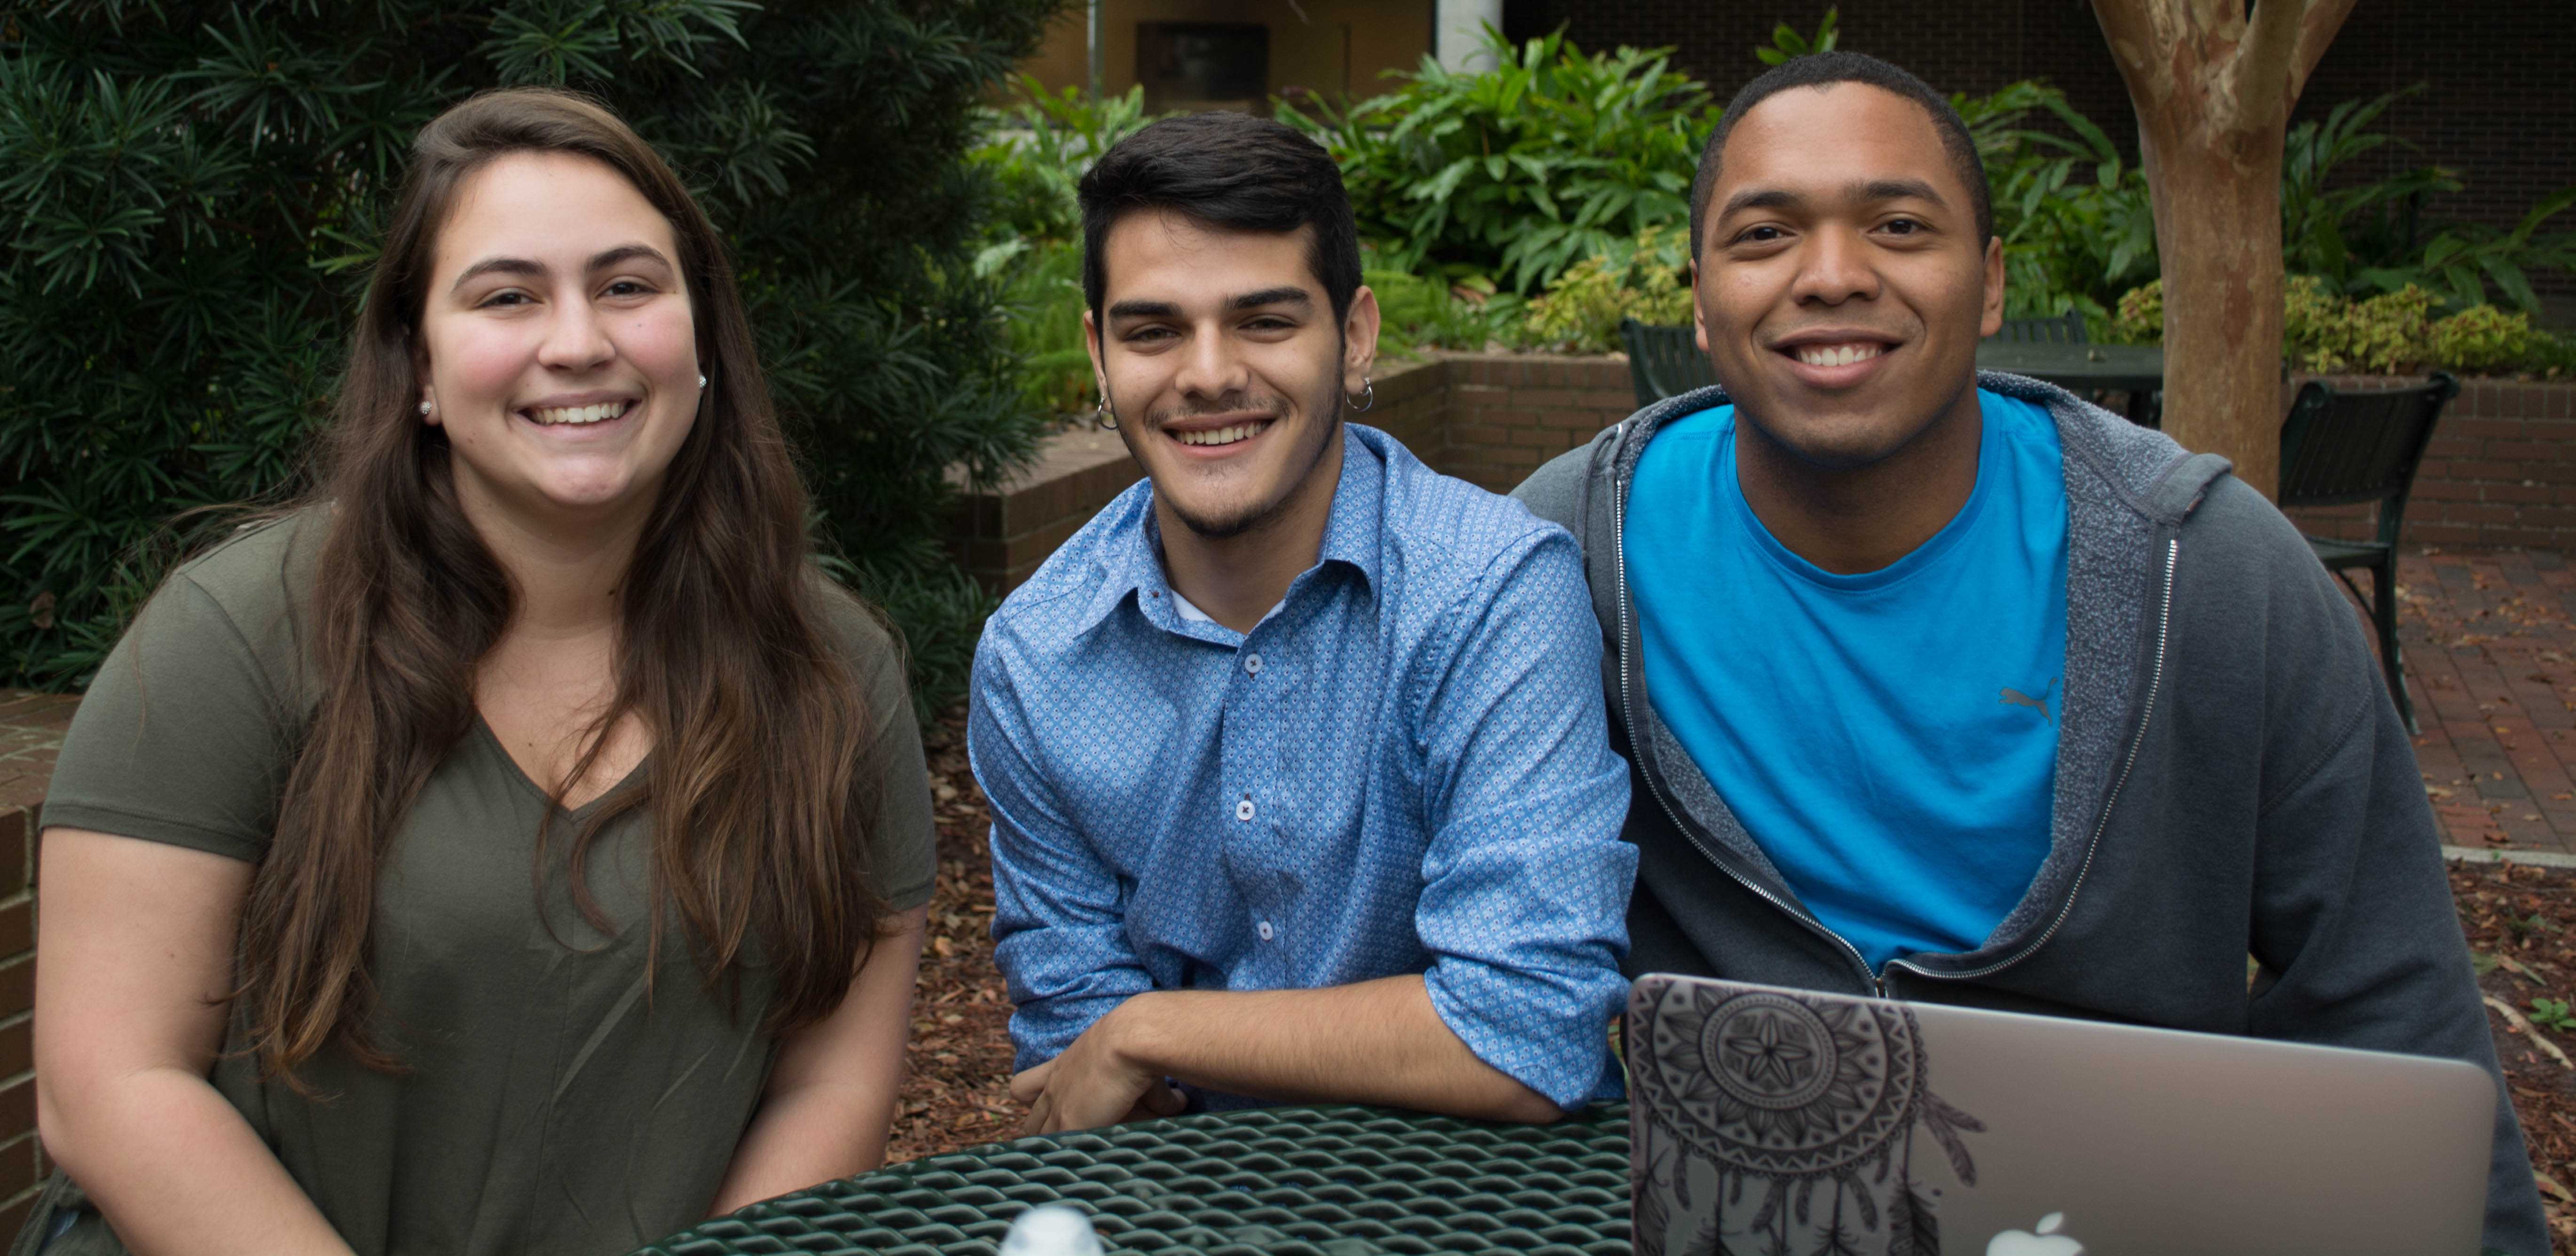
(756, 724)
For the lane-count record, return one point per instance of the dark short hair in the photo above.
(1824, 69)
(1227, 170)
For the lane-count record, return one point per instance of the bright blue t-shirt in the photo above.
(1889, 738)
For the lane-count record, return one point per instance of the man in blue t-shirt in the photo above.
(1954, 687)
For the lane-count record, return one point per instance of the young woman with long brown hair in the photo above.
(518, 846)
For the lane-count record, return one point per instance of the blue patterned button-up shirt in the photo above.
(1404, 768)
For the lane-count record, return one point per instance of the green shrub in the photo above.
(194, 193)
(1037, 149)
(1521, 171)
(2074, 217)
(2481, 338)
(1042, 310)
(1581, 309)
(2393, 333)
(1416, 313)
(2140, 319)
(2078, 226)
(2388, 334)
(2311, 315)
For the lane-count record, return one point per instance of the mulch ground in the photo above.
(958, 1092)
(2520, 921)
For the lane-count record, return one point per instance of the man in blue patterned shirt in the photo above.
(1299, 773)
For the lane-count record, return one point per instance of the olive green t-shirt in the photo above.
(549, 1103)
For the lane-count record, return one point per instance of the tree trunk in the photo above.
(2218, 232)
(2213, 82)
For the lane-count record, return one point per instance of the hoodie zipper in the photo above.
(2146, 716)
(1628, 709)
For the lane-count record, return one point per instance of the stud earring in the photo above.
(424, 409)
(702, 381)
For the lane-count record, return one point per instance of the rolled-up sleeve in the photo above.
(1059, 920)
(1526, 880)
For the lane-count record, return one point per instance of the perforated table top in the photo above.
(1331, 1181)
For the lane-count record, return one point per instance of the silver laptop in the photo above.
(1767, 1120)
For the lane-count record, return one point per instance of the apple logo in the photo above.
(2048, 1242)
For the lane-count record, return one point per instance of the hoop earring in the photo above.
(1368, 396)
(1101, 417)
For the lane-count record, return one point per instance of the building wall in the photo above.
(2499, 108)
(1334, 48)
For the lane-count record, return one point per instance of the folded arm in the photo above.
(137, 939)
(1370, 1042)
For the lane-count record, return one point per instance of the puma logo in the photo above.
(2015, 697)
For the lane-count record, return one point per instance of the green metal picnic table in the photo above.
(2083, 369)
(2078, 367)
(1317, 1181)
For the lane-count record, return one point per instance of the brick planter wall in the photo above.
(2501, 471)
(31, 729)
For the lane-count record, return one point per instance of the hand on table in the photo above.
(1093, 1083)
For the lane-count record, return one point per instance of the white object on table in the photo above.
(1053, 1230)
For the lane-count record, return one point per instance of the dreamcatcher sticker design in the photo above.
(1797, 1114)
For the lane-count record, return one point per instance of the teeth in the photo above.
(1838, 355)
(1222, 435)
(579, 414)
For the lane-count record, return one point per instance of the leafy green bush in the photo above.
(2074, 217)
(2312, 315)
(1521, 171)
(194, 192)
(1038, 148)
(2393, 333)
(1042, 317)
(2366, 237)
(1417, 313)
(1035, 152)
(2481, 338)
(2346, 231)
(1786, 42)
(2078, 227)
(1581, 309)
(2140, 319)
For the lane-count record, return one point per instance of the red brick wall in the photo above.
(2501, 469)
(1511, 412)
(31, 727)
(22, 1158)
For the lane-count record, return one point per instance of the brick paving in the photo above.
(2491, 655)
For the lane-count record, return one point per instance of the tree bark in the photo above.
(2213, 85)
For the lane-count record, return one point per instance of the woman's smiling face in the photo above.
(561, 353)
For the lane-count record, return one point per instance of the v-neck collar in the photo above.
(519, 773)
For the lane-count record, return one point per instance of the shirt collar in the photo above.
(1131, 557)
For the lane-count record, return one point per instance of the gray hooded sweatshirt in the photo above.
(2232, 779)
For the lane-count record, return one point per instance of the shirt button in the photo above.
(1243, 810)
(1264, 930)
(1252, 664)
